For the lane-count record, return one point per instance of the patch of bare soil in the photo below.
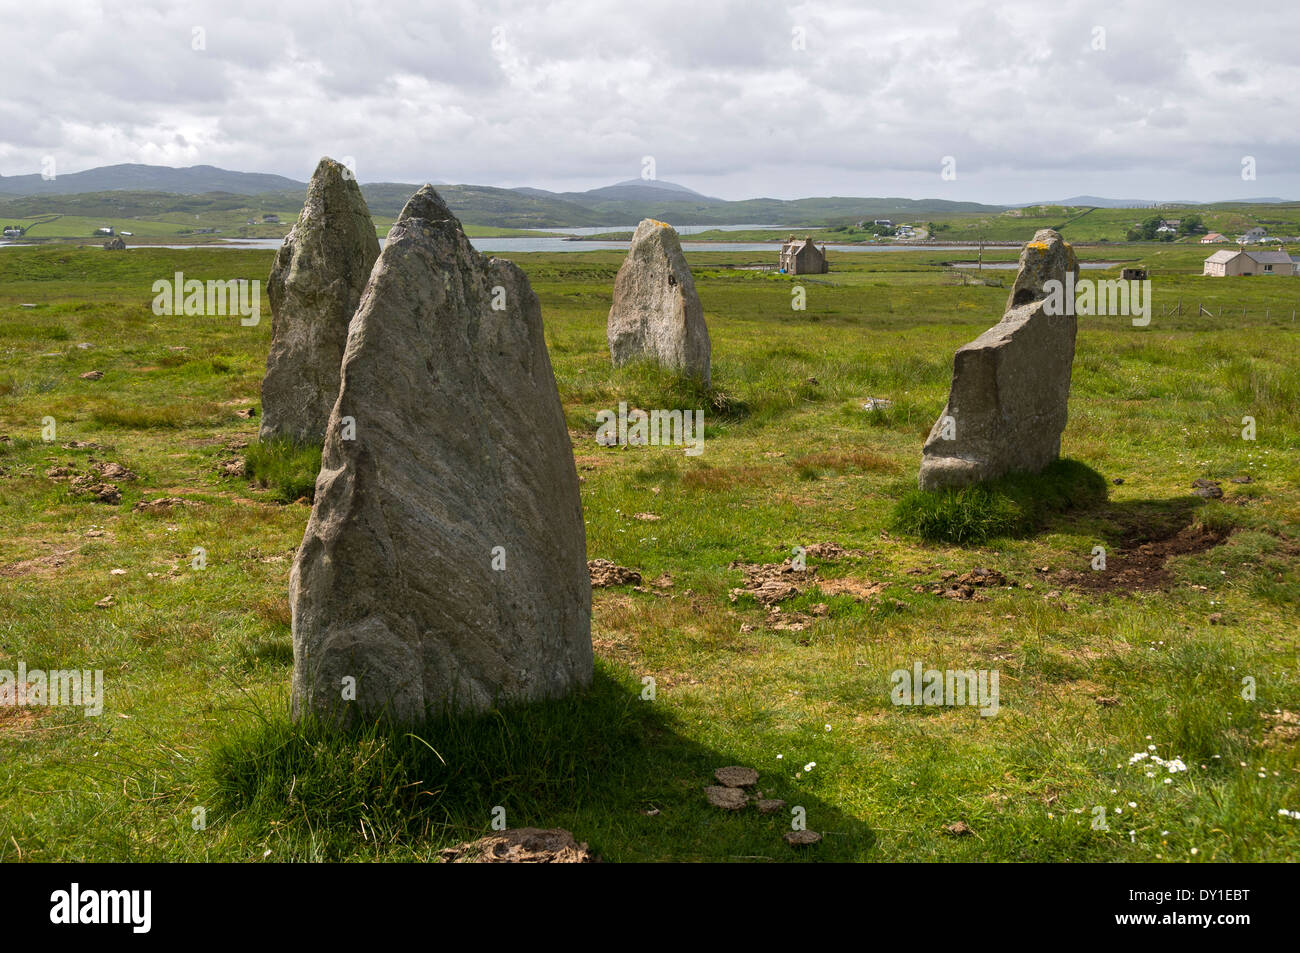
(605, 573)
(160, 505)
(523, 845)
(1283, 728)
(831, 551)
(46, 565)
(770, 583)
(1140, 562)
(15, 718)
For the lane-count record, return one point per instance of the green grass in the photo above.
(197, 662)
(286, 468)
(1015, 505)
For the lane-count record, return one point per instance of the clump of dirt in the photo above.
(736, 776)
(1140, 563)
(1283, 727)
(523, 845)
(982, 577)
(831, 551)
(112, 471)
(963, 587)
(160, 505)
(770, 583)
(98, 491)
(729, 799)
(605, 573)
(1207, 489)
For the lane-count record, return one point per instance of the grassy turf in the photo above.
(197, 661)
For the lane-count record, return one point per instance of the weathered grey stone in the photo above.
(459, 447)
(314, 288)
(656, 313)
(1010, 386)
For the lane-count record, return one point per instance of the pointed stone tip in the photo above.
(652, 226)
(428, 205)
(330, 170)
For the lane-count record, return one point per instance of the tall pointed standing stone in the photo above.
(656, 313)
(444, 563)
(1011, 385)
(315, 285)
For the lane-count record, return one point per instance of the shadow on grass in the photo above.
(597, 763)
(1016, 505)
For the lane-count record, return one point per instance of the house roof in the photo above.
(1222, 257)
(1269, 257)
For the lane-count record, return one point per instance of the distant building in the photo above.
(104, 230)
(1256, 234)
(883, 221)
(1133, 274)
(1213, 238)
(803, 257)
(14, 231)
(1224, 264)
(270, 219)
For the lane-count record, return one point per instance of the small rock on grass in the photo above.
(736, 776)
(801, 838)
(1107, 701)
(92, 375)
(957, 829)
(770, 805)
(729, 799)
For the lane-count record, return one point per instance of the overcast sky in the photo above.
(735, 98)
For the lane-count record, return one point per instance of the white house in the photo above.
(1227, 263)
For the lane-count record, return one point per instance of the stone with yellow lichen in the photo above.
(1011, 385)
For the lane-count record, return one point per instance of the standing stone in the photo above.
(656, 313)
(315, 285)
(444, 563)
(1011, 385)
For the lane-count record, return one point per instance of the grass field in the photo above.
(1097, 669)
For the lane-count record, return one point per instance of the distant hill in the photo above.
(1096, 202)
(194, 180)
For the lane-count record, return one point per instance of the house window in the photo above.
(1268, 267)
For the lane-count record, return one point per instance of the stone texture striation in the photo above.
(444, 563)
